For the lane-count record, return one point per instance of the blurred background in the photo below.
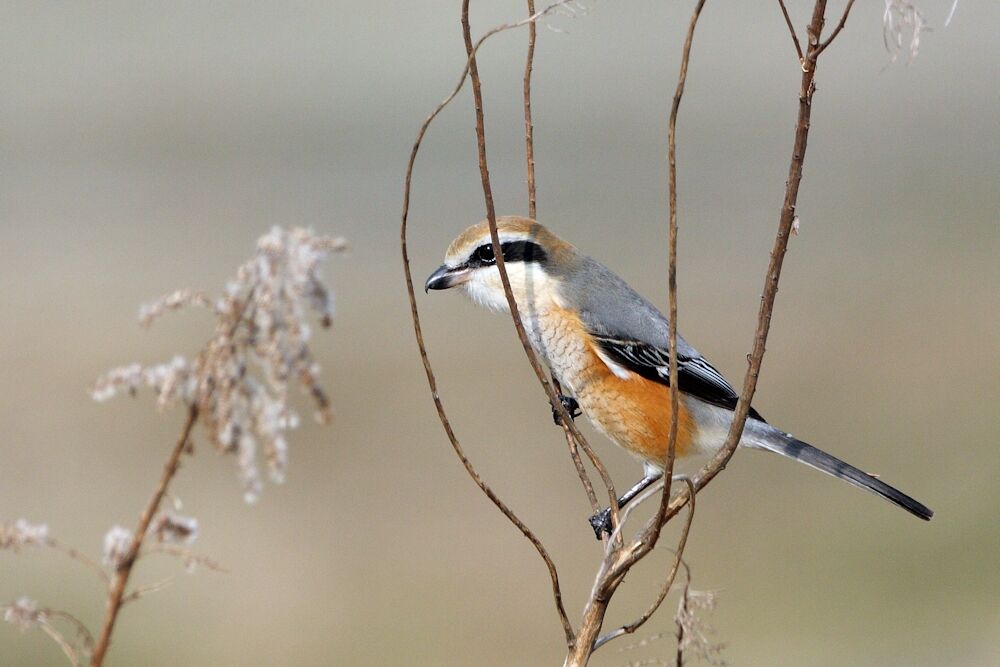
(145, 146)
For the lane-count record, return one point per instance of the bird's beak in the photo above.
(446, 277)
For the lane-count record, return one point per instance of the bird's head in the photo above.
(532, 255)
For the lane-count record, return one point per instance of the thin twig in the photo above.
(66, 647)
(408, 274)
(680, 625)
(574, 454)
(529, 132)
(787, 217)
(836, 31)
(791, 29)
(418, 332)
(597, 606)
(76, 555)
(81, 630)
(146, 589)
(484, 173)
(529, 151)
(615, 566)
(188, 557)
(116, 590)
(667, 583)
(668, 468)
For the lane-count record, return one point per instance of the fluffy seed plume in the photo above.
(694, 631)
(903, 24)
(240, 380)
(171, 528)
(23, 534)
(23, 614)
(116, 544)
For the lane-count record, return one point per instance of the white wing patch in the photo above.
(617, 369)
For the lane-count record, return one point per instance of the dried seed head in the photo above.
(116, 545)
(171, 528)
(902, 26)
(150, 312)
(240, 381)
(695, 630)
(23, 534)
(23, 614)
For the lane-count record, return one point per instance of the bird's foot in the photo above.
(570, 405)
(601, 523)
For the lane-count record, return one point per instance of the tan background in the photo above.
(144, 146)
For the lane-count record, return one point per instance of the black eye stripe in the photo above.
(523, 251)
(513, 251)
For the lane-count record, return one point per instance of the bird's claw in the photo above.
(601, 523)
(570, 405)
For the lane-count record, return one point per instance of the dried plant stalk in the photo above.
(261, 324)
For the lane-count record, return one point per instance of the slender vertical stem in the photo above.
(791, 29)
(484, 173)
(627, 557)
(588, 636)
(529, 132)
(668, 468)
(806, 90)
(529, 151)
(116, 590)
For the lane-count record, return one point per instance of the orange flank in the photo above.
(633, 412)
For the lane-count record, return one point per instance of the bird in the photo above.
(608, 348)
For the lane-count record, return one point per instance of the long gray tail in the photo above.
(763, 436)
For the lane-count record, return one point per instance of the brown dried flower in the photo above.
(116, 544)
(22, 534)
(23, 614)
(240, 380)
(695, 631)
(171, 528)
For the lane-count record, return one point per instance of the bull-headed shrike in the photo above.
(608, 348)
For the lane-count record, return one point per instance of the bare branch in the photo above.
(667, 583)
(625, 558)
(67, 648)
(529, 133)
(501, 265)
(418, 332)
(25, 615)
(615, 566)
(188, 557)
(76, 555)
(668, 468)
(791, 29)
(116, 591)
(491, 216)
(529, 145)
(787, 217)
(836, 31)
(680, 626)
(574, 454)
(141, 591)
(408, 274)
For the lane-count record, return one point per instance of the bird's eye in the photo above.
(484, 254)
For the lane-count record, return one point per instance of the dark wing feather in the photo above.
(695, 375)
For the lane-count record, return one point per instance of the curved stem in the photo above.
(116, 590)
